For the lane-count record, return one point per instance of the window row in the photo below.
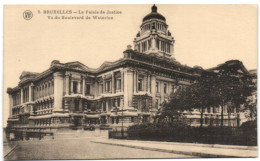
(26, 94)
(174, 88)
(108, 86)
(109, 104)
(44, 112)
(16, 99)
(163, 46)
(45, 105)
(144, 46)
(158, 26)
(43, 90)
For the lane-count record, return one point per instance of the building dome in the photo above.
(154, 15)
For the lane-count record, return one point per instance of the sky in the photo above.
(205, 35)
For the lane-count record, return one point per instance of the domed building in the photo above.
(128, 91)
(154, 36)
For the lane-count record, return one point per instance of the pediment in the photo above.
(77, 66)
(105, 64)
(26, 74)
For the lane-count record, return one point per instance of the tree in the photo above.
(172, 111)
(197, 95)
(201, 95)
(250, 107)
(231, 86)
(212, 89)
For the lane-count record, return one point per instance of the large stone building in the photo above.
(133, 87)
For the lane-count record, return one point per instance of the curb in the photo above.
(10, 151)
(199, 154)
(210, 145)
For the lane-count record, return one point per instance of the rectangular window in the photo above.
(117, 120)
(114, 103)
(132, 119)
(139, 104)
(118, 84)
(157, 87)
(157, 44)
(118, 102)
(75, 87)
(109, 104)
(76, 105)
(156, 103)
(104, 106)
(101, 88)
(108, 86)
(113, 120)
(208, 109)
(165, 88)
(173, 88)
(149, 44)
(140, 84)
(88, 89)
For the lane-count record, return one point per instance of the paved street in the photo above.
(80, 148)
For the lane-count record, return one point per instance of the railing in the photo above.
(117, 134)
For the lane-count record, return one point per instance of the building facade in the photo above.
(130, 90)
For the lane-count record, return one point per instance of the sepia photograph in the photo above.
(135, 81)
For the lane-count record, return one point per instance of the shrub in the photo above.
(183, 133)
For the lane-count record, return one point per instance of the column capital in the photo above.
(84, 76)
(58, 74)
(67, 73)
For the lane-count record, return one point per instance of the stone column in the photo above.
(107, 105)
(104, 84)
(31, 92)
(135, 81)
(171, 48)
(83, 85)
(67, 84)
(79, 87)
(225, 109)
(21, 96)
(136, 86)
(128, 88)
(153, 48)
(211, 109)
(95, 89)
(113, 83)
(141, 47)
(71, 86)
(159, 45)
(161, 86)
(10, 106)
(153, 84)
(58, 91)
(149, 83)
(122, 81)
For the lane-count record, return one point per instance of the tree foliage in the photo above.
(231, 87)
(171, 112)
(211, 89)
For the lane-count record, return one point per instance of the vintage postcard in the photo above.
(130, 81)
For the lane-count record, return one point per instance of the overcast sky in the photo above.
(205, 35)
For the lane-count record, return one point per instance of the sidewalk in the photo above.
(8, 148)
(198, 150)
